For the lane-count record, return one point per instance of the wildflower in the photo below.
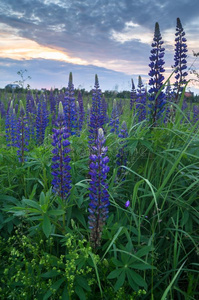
(180, 56)
(41, 120)
(60, 168)
(69, 107)
(127, 203)
(96, 116)
(99, 197)
(141, 101)
(23, 134)
(133, 95)
(156, 98)
(104, 108)
(11, 126)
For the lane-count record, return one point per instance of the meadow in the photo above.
(99, 197)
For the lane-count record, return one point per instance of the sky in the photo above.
(111, 38)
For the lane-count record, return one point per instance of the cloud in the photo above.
(51, 73)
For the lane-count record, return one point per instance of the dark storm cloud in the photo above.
(83, 28)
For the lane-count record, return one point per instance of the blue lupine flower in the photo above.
(16, 108)
(127, 203)
(2, 110)
(60, 168)
(180, 56)
(141, 101)
(41, 120)
(69, 107)
(157, 102)
(104, 107)
(96, 117)
(133, 95)
(11, 126)
(53, 106)
(23, 134)
(99, 197)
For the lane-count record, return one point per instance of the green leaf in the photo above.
(146, 144)
(164, 296)
(120, 281)
(32, 203)
(117, 262)
(83, 283)
(115, 273)
(137, 278)
(9, 199)
(50, 274)
(80, 218)
(132, 283)
(33, 192)
(65, 295)
(141, 266)
(144, 251)
(80, 292)
(132, 146)
(46, 226)
(96, 271)
(113, 240)
(56, 212)
(42, 199)
(82, 185)
(55, 286)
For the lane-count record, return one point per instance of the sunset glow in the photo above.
(20, 48)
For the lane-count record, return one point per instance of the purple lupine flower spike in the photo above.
(60, 168)
(11, 126)
(96, 116)
(41, 120)
(180, 59)
(23, 134)
(69, 107)
(99, 197)
(133, 95)
(141, 101)
(157, 101)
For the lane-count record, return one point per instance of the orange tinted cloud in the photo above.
(18, 48)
